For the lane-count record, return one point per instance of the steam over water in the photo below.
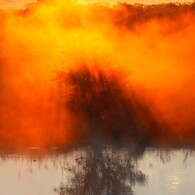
(97, 99)
(107, 73)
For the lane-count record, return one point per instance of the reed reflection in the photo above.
(102, 169)
(93, 168)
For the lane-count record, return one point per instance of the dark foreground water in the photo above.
(97, 169)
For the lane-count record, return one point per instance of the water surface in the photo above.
(97, 169)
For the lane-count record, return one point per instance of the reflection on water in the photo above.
(102, 170)
(97, 169)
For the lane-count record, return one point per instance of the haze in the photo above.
(22, 3)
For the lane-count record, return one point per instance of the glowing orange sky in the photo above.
(21, 3)
(14, 3)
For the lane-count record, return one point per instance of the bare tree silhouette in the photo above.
(107, 110)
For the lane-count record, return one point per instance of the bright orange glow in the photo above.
(153, 57)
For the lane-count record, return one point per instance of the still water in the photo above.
(96, 169)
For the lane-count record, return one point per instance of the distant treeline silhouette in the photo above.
(121, 15)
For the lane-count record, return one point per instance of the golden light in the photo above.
(148, 58)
